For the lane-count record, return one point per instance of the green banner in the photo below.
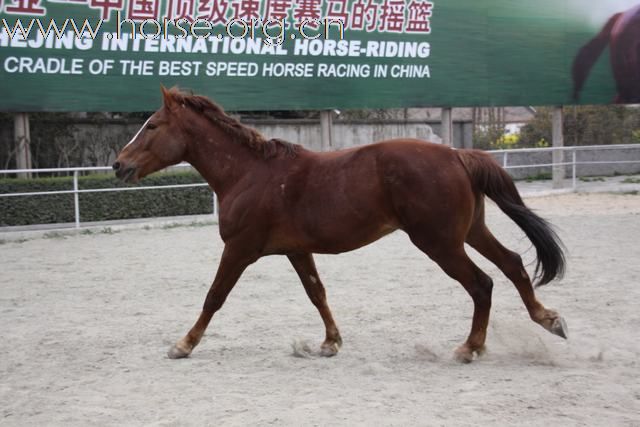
(112, 55)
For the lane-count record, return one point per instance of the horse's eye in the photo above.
(151, 126)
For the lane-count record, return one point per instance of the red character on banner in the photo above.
(308, 11)
(419, 14)
(180, 9)
(25, 7)
(106, 6)
(247, 10)
(337, 9)
(277, 10)
(139, 10)
(362, 13)
(392, 16)
(61, 1)
(214, 11)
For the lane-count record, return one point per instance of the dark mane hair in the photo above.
(240, 133)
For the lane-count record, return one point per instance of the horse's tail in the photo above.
(588, 55)
(489, 178)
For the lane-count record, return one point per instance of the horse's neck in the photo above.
(221, 161)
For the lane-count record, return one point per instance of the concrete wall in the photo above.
(351, 134)
(345, 134)
(113, 134)
(104, 139)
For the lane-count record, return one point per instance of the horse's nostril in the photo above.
(116, 166)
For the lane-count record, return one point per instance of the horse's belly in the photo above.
(337, 235)
(345, 239)
(324, 240)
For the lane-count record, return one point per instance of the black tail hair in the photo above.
(488, 177)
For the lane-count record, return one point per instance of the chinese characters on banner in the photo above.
(392, 16)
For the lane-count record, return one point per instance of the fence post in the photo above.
(446, 123)
(76, 199)
(557, 154)
(214, 202)
(22, 138)
(504, 159)
(326, 130)
(573, 169)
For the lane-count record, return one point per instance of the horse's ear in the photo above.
(167, 98)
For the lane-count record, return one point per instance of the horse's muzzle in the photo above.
(124, 173)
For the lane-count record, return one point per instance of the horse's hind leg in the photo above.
(510, 263)
(306, 269)
(455, 262)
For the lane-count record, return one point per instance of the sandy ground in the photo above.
(87, 320)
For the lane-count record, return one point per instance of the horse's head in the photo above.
(161, 142)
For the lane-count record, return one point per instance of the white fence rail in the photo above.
(501, 155)
(574, 162)
(76, 191)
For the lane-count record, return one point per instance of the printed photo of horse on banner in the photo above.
(621, 34)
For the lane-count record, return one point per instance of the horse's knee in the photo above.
(482, 290)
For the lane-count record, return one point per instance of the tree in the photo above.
(488, 127)
(586, 125)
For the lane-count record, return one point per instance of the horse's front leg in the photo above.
(235, 259)
(306, 269)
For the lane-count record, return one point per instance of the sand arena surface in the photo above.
(87, 320)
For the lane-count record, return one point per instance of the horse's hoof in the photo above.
(177, 353)
(481, 351)
(463, 355)
(559, 327)
(329, 350)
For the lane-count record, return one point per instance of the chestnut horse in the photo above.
(279, 198)
(622, 34)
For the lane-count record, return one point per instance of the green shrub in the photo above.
(103, 206)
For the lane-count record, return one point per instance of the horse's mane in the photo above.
(240, 133)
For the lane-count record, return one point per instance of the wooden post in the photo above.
(326, 130)
(22, 138)
(558, 155)
(447, 126)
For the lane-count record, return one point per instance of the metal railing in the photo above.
(574, 163)
(76, 191)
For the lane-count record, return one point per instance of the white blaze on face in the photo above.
(136, 135)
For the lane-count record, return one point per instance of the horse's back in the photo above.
(389, 166)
